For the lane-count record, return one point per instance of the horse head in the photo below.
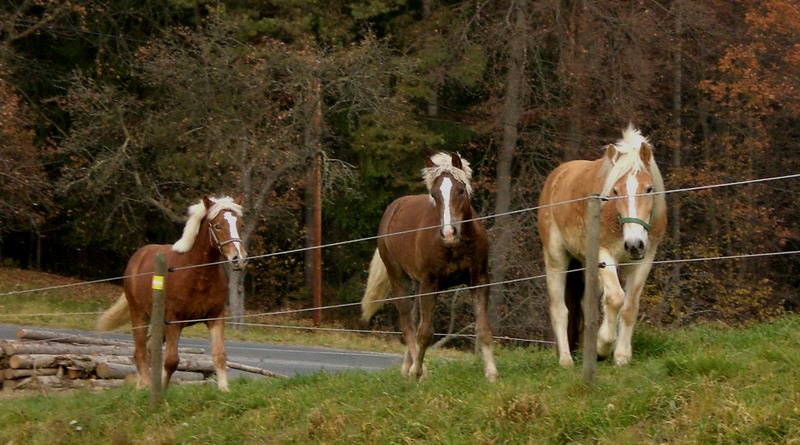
(450, 192)
(633, 198)
(224, 228)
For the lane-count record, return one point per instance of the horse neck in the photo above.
(203, 251)
(468, 228)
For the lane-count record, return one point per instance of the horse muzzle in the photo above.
(450, 235)
(237, 262)
(635, 249)
(235, 254)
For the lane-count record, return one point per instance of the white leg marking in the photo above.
(556, 265)
(613, 298)
(634, 283)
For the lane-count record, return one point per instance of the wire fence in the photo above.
(375, 237)
(389, 299)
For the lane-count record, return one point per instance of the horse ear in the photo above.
(455, 160)
(207, 201)
(645, 152)
(429, 163)
(238, 199)
(611, 153)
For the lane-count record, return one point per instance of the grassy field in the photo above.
(699, 385)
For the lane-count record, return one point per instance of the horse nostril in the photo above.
(641, 245)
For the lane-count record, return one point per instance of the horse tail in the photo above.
(115, 316)
(377, 287)
(573, 295)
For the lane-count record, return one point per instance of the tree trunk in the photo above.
(426, 8)
(433, 101)
(316, 282)
(313, 142)
(121, 371)
(505, 157)
(63, 348)
(675, 204)
(575, 54)
(236, 296)
(254, 370)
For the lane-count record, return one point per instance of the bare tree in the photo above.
(512, 104)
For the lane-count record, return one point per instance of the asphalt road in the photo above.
(287, 360)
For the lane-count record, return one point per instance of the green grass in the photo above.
(704, 384)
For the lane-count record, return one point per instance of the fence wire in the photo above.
(375, 237)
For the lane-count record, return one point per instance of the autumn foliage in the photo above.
(123, 116)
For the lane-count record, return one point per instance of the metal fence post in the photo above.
(590, 297)
(157, 331)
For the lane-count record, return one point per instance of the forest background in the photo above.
(115, 116)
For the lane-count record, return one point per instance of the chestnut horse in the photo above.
(211, 233)
(632, 224)
(456, 253)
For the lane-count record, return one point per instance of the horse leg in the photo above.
(172, 333)
(556, 265)
(215, 330)
(425, 329)
(484, 329)
(634, 284)
(405, 308)
(613, 296)
(141, 355)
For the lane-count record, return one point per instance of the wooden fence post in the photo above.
(157, 331)
(590, 297)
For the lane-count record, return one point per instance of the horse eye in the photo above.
(649, 189)
(461, 192)
(217, 226)
(614, 192)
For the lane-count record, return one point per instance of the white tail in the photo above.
(114, 316)
(377, 287)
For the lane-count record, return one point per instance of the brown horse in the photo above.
(455, 254)
(190, 293)
(632, 224)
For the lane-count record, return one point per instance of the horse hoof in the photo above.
(621, 360)
(566, 362)
(603, 348)
(491, 376)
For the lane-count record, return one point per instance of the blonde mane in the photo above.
(197, 213)
(443, 164)
(627, 158)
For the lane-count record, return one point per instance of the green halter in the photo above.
(641, 222)
(647, 226)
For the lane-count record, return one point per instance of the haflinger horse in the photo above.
(632, 224)
(456, 253)
(210, 234)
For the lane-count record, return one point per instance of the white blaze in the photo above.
(633, 231)
(234, 231)
(446, 187)
(632, 184)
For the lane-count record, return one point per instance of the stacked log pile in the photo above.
(51, 360)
